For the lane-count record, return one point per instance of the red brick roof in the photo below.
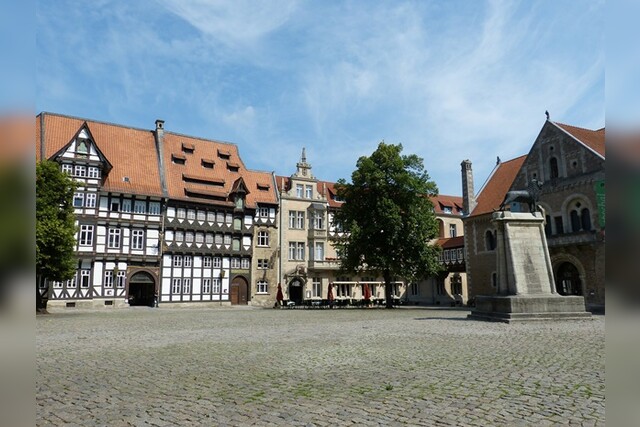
(451, 242)
(593, 139)
(492, 194)
(130, 151)
(441, 201)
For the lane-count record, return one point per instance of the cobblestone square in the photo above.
(247, 366)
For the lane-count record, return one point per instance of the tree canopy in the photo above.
(55, 229)
(389, 217)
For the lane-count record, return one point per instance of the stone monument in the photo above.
(525, 285)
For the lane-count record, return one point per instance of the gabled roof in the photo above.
(131, 151)
(325, 188)
(499, 182)
(592, 139)
(441, 201)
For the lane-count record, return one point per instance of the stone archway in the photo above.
(142, 289)
(239, 291)
(568, 280)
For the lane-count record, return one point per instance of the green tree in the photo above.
(55, 228)
(388, 217)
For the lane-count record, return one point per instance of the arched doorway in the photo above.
(239, 291)
(568, 280)
(296, 288)
(142, 288)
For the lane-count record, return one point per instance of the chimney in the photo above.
(468, 197)
(159, 137)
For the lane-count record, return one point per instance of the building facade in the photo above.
(570, 163)
(161, 217)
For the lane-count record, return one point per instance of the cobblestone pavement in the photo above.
(237, 367)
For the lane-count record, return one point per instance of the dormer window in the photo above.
(188, 148)
(224, 154)
(233, 167)
(207, 163)
(178, 159)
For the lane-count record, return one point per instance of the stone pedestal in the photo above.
(525, 285)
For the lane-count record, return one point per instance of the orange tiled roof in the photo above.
(497, 186)
(594, 139)
(192, 179)
(130, 151)
(441, 201)
(450, 242)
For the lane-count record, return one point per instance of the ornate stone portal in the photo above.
(525, 285)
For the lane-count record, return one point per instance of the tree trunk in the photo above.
(387, 289)
(41, 301)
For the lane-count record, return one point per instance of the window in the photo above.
(154, 208)
(296, 219)
(316, 287)
(93, 172)
(263, 264)
(489, 240)
(201, 215)
(344, 290)
(177, 261)
(191, 214)
(494, 279)
(460, 254)
(90, 200)
(559, 225)
(235, 245)
(216, 286)
(575, 221)
(78, 200)
(199, 237)
(85, 276)
(121, 277)
(235, 263)
(296, 251)
(220, 217)
(217, 262)
(206, 262)
(319, 251)
(263, 238)
(140, 207)
(176, 284)
(263, 212)
(188, 260)
(186, 286)
(137, 239)
(452, 230)
(237, 223)
(299, 190)
(456, 284)
(181, 213)
(80, 171)
(218, 239)
(71, 283)
(126, 205)
(547, 225)
(239, 202)
(318, 220)
(227, 239)
(553, 168)
(115, 205)
(308, 192)
(82, 147)
(86, 235)
(108, 279)
(211, 216)
(447, 209)
(67, 168)
(206, 286)
(179, 236)
(415, 289)
(188, 237)
(114, 238)
(228, 219)
(263, 287)
(585, 217)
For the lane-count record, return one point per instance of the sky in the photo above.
(449, 80)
